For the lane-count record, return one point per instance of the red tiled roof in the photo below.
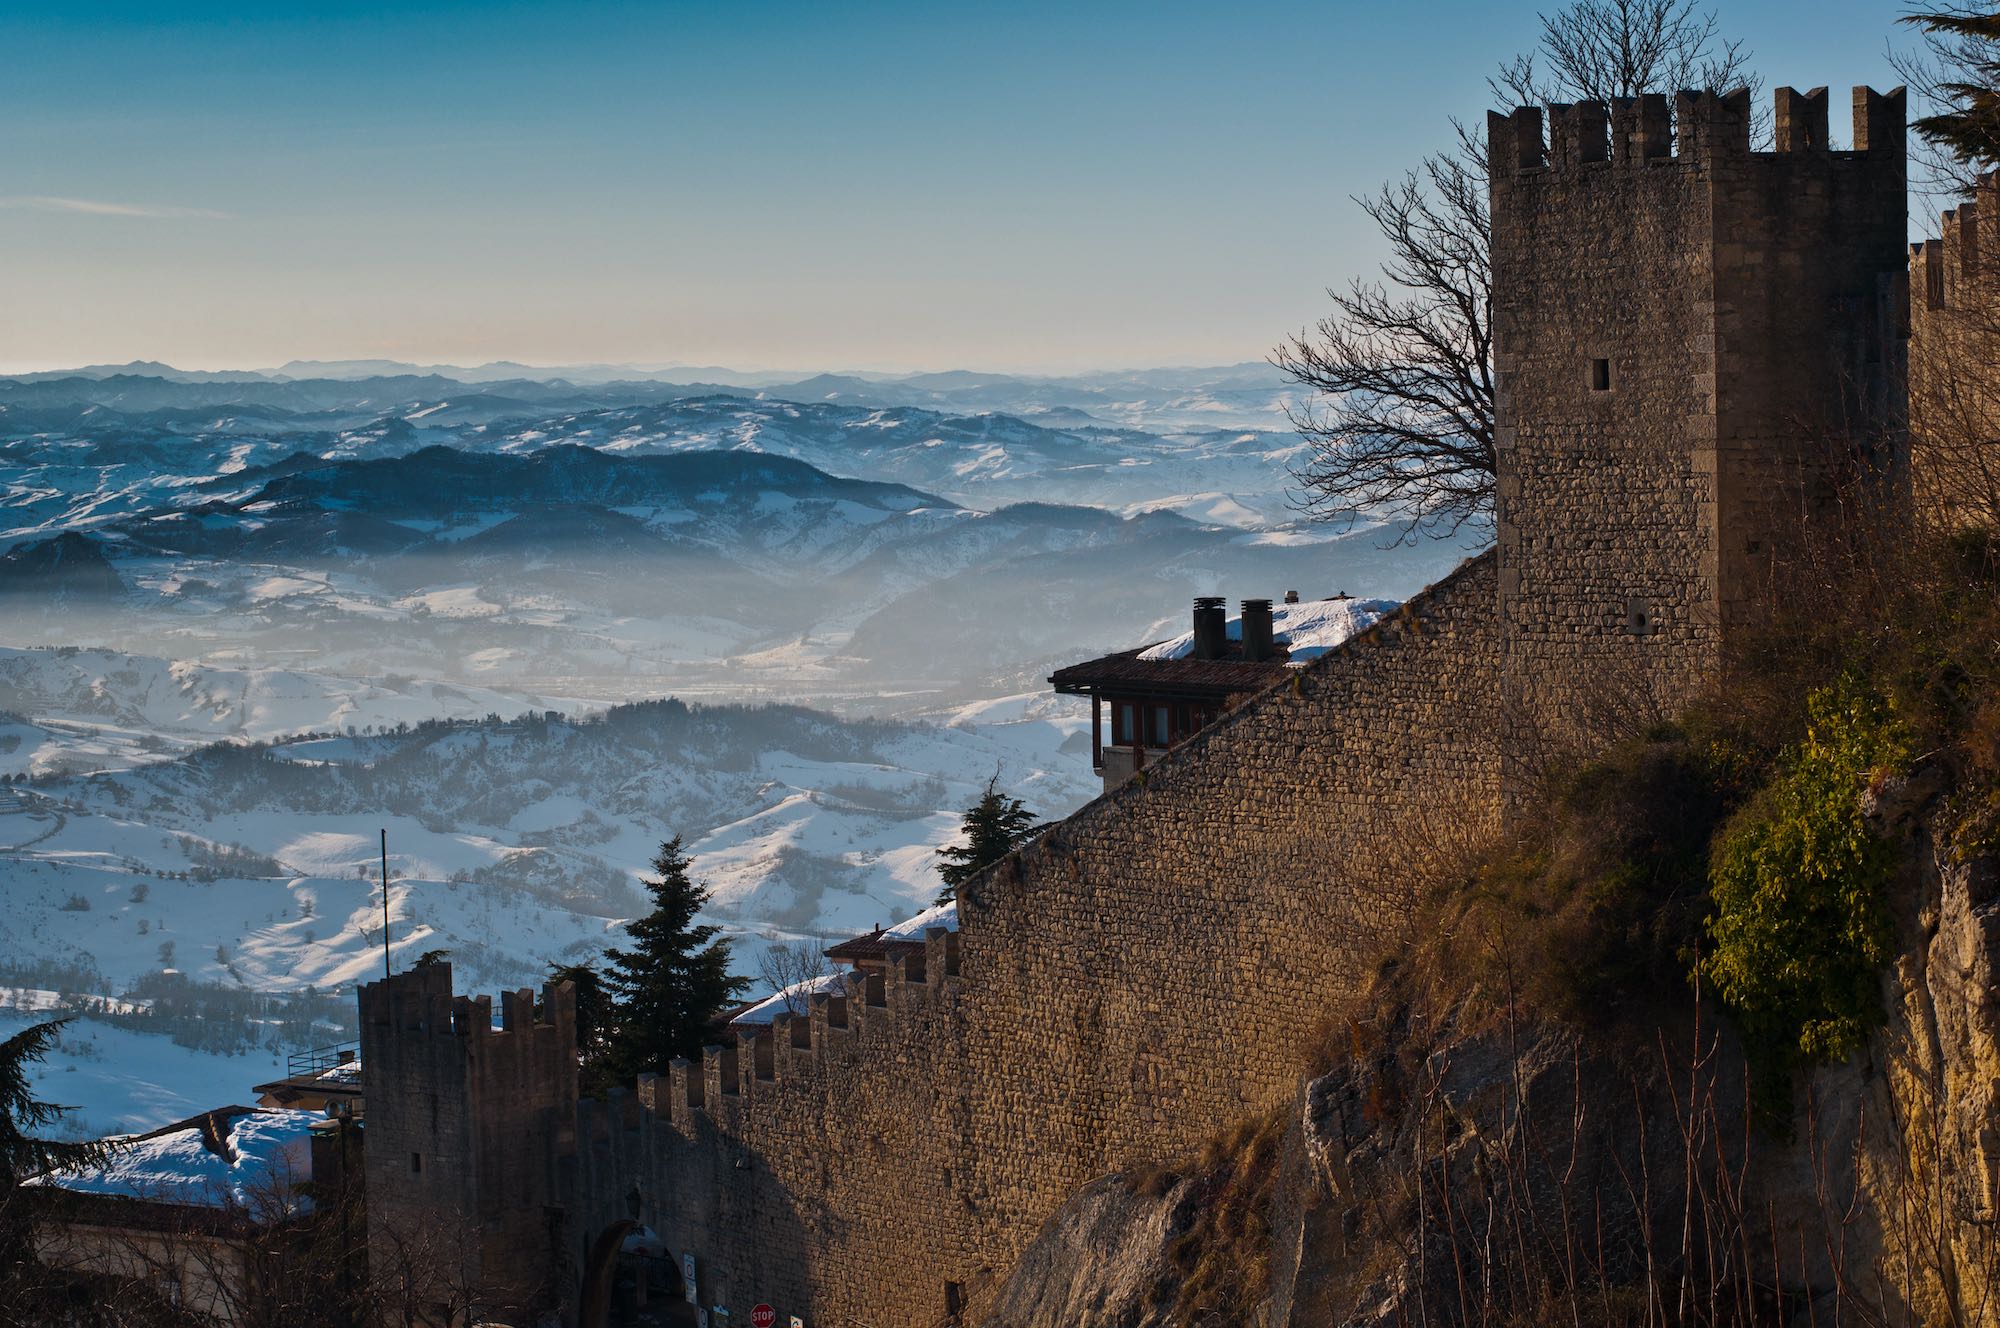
(1219, 676)
(874, 945)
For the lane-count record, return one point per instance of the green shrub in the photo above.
(1800, 925)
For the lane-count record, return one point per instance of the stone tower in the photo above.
(465, 1127)
(1680, 327)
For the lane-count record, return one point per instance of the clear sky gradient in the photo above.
(748, 183)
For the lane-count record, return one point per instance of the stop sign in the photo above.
(763, 1316)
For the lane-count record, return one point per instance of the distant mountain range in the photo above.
(1231, 396)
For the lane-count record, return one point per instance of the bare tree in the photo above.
(1600, 49)
(789, 967)
(1400, 421)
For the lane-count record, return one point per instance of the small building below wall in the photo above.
(1146, 701)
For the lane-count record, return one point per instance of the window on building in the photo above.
(1162, 725)
(1124, 723)
(1600, 375)
(416, 1164)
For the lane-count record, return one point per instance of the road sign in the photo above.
(687, 1279)
(763, 1316)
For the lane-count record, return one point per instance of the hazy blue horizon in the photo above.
(1053, 189)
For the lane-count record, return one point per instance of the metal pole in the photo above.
(385, 902)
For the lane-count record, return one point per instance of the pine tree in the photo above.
(666, 989)
(993, 827)
(21, 1153)
(1966, 44)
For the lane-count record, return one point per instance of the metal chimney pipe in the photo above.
(1257, 644)
(1211, 627)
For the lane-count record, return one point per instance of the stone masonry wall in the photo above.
(820, 1168)
(1147, 970)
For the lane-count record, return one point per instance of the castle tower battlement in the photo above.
(1684, 332)
(863, 1013)
(464, 1125)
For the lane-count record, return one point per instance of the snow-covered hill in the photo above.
(511, 844)
(96, 709)
(250, 621)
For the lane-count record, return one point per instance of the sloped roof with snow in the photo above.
(250, 1159)
(1306, 630)
(785, 1000)
(1300, 632)
(913, 929)
(875, 944)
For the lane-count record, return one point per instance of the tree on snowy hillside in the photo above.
(22, 1152)
(667, 988)
(993, 827)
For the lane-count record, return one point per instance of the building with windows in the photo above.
(1148, 700)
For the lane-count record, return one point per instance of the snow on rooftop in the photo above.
(913, 929)
(790, 999)
(347, 1072)
(1308, 630)
(271, 1154)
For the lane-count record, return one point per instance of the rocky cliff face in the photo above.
(1452, 1171)
(1930, 1155)
(1106, 1260)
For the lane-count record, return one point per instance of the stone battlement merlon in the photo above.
(1954, 269)
(420, 1002)
(836, 1026)
(1692, 128)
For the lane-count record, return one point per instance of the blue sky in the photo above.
(887, 186)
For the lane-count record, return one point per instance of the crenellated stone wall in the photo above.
(1955, 362)
(819, 1167)
(1147, 970)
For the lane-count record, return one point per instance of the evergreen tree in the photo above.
(666, 989)
(21, 1153)
(993, 827)
(1965, 81)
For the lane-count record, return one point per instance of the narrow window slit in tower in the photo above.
(1600, 375)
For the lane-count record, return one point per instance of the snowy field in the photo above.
(122, 1081)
